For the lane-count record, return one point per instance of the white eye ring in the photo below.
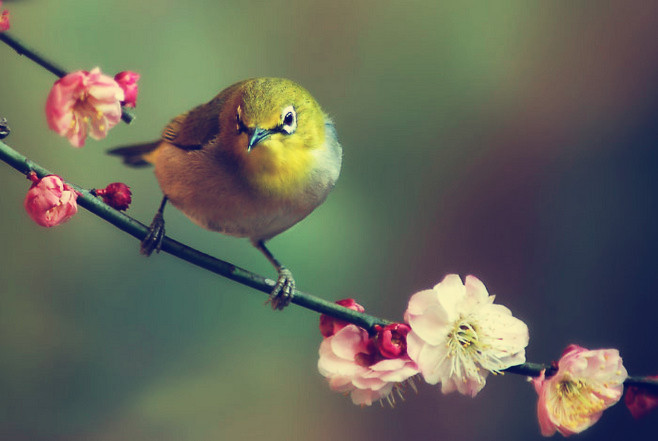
(289, 120)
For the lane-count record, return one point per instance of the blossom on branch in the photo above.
(127, 80)
(640, 401)
(117, 195)
(352, 363)
(391, 340)
(4, 19)
(50, 201)
(458, 335)
(587, 382)
(82, 103)
(330, 325)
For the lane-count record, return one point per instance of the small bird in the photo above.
(251, 162)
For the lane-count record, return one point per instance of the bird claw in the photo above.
(153, 240)
(282, 293)
(4, 128)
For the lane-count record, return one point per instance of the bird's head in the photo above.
(277, 127)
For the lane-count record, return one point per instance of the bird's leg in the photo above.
(153, 240)
(285, 285)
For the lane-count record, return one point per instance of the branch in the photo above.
(175, 248)
(126, 115)
(243, 276)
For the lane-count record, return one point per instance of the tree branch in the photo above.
(240, 275)
(175, 248)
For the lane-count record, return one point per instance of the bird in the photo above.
(251, 162)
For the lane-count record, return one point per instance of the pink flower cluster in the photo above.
(367, 368)
(89, 103)
(50, 201)
(454, 336)
(4, 19)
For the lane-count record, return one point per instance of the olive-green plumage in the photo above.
(252, 162)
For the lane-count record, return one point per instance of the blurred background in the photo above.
(515, 142)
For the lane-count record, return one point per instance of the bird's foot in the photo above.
(283, 290)
(153, 240)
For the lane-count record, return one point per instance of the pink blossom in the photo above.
(128, 82)
(330, 325)
(117, 195)
(4, 19)
(84, 103)
(50, 201)
(391, 340)
(352, 364)
(587, 382)
(458, 335)
(641, 401)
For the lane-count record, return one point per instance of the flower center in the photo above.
(575, 401)
(464, 349)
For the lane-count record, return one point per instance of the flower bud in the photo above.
(4, 19)
(127, 80)
(50, 201)
(117, 195)
(391, 340)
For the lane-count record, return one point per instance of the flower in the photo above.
(352, 364)
(391, 340)
(330, 325)
(117, 195)
(4, 19)
(50, 201)
(641, 401)
(127, 80)
(458, 335)
(586, 383)
(84, 102)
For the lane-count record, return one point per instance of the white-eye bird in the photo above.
(252, 162)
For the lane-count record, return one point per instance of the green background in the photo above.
(515, 141)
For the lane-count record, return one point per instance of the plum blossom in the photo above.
(587, 382)
(50, 201)
(349, 359)
(127, 80)
(458, 335)
(640, 401)
(117, 195)
(4, 19)
(82, 103)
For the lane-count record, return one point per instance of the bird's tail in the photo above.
(138, 155)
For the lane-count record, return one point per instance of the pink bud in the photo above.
(128, 82)
(4, 19)
(330, 325)
(391, 340)
(640, 401)
(50, 201)
(117, 195)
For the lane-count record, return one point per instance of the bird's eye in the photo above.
(289, 120)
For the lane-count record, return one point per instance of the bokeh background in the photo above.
(515, 141)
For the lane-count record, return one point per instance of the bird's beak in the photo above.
(256, 136)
